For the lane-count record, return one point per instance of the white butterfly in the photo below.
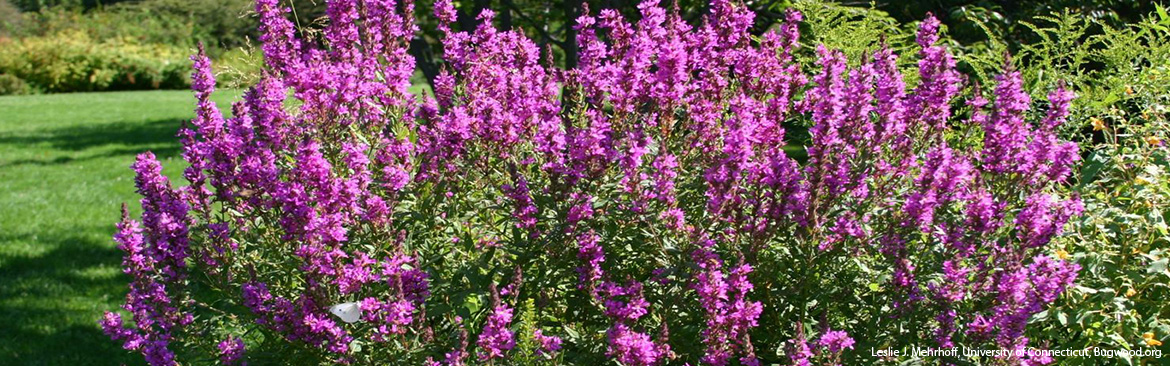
(348, 312)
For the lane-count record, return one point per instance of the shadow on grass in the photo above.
(136, 136)
(49, 305)
(162, 154)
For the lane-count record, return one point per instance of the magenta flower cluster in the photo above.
(156, 251)
(649, 195)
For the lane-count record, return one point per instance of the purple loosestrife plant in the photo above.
(231, 351)
(650, 196)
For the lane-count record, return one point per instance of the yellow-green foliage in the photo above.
(141, 24)
(12, 85)
(238, 68)
(856, 31)
(71, 61)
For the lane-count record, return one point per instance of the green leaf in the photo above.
(862, 266)
(471, 303)
(1041, 316)
(1086, 290)
(1092, 167)
(1117, 339)
(355, 346)
(572, 333)
(1158, 266)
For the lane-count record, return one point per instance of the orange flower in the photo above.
(1062, 254)
(1098, 124)
(1149, 338)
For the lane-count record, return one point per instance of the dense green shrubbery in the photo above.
(1005, 15)
(143, 26)
(133, 45)
(35, 5)
(220, 24)
(72, 61)
(12, 85)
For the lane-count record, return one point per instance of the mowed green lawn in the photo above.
(64, 172)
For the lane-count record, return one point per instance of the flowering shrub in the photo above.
(645, 207)
(1121, 240)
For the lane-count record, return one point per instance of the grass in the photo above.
(64, 172)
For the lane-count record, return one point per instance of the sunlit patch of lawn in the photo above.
(64, 172)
